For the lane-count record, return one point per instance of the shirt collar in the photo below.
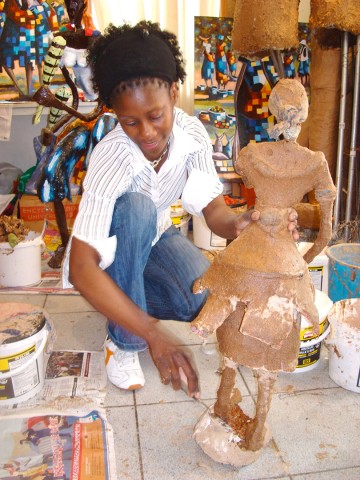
(181, 145)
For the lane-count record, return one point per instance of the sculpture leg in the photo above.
(55, 260)
(224, 402)
(226, 406)
(255, 433)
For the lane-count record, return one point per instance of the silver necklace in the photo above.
(155, 163)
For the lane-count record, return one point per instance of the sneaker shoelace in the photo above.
(125, 358)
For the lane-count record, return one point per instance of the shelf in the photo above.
(229, 176)
(28, 108)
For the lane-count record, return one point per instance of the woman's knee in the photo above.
(136, 209)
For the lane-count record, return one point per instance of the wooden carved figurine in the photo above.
(259, 286)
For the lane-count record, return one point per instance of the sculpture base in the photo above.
(219, 441)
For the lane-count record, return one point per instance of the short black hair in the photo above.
(130, 75)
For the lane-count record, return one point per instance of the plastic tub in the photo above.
(21, 266)
(23, 336)
(344, 344)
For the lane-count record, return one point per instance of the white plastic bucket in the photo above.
(22, 369)
(344, 344)
(21, 266)
(310, 344)
(204, 238)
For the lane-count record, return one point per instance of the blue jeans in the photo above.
(158, 278)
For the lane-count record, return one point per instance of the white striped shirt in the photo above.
(117, 166)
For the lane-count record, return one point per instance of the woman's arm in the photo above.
(106, 297)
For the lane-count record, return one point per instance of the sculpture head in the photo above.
(289, 104)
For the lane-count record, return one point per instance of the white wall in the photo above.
(19, 149)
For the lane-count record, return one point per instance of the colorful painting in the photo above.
(231, 92)
(25, 37)
(216, 70)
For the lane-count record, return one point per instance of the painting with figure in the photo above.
(29, 58)
(230, 87)
(215, 78)
(26, 29)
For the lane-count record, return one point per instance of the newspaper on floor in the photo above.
(70, 374)
(62, 432)
(50, 444)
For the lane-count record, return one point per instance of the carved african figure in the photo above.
(259, 286)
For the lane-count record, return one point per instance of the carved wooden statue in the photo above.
(259, 286)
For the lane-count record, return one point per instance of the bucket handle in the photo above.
(314, 341)
(16, 371)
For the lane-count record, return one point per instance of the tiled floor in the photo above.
(315, 424)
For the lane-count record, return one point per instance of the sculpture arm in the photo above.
(325, 193)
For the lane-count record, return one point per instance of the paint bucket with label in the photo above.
(24, 333)
(21, 265)
(204, 238)
(180, 219)
(344, 271)
(310, 344)
(344, 344)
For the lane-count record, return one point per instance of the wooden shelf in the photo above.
(28, 108)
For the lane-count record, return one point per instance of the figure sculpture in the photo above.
(259, 286)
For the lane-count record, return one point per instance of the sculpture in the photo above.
(57, 156)
(259, 286)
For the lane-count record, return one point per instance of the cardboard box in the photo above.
(34, 212)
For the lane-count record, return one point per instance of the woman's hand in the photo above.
(222, 221)
(174, 363)
(292, 225)
(244, 219)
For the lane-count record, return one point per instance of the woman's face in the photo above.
(146, 114)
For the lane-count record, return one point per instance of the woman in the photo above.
(125, 257)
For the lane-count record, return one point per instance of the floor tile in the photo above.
(79, 331)
(67, 303)
(317, 430)
(344, 474)
(170, 452)
(126, 440)
(38, 300)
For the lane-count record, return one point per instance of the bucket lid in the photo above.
(19, 321)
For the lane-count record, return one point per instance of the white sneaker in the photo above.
(123, 368)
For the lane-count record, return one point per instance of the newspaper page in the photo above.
(62, 432)
(56, 446)
(75, 374)
(71, 374)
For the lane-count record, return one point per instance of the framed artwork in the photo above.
(231, 92)
(26, 29)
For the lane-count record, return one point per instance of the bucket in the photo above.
(21, 266)
(344, 271)
(344, 344)
(204, 238)
(310, 344)
(180, 218)
(318, 268)
(23, 336)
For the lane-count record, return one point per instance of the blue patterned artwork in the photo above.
(25, 37)
(232, 91)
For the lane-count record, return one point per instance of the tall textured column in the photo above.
(259, 26)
